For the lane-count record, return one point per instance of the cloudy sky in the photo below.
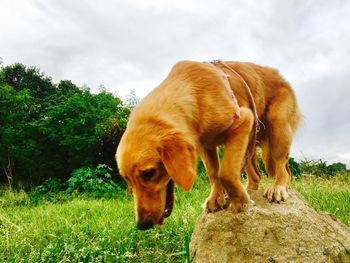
(132, 44)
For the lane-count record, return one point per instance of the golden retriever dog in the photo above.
(198, 107)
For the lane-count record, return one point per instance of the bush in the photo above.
(93, 181)
(320, 168)
(50, 191)
(337, 168)
(51, 185)
(294, 168)
(48, 130)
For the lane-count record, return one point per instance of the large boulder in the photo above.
(269, 232)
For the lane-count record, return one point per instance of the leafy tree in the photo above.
(49, 130)
(320, 168)
(21, 77)
(82, 124)
(16, 144)
(336, 168)
(132, 99)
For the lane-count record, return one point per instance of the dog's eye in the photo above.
(148, 174)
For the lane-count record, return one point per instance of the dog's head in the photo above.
(150, 161)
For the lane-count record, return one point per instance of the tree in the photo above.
(21, 77)
(84, 130)
(48, 130)
(132, 99)
(15, 142)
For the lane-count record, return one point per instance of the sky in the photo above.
(131, 45)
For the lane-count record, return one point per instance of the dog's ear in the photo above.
(179, 159)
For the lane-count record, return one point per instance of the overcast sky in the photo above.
(127, 45)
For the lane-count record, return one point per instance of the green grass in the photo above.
(83, 229)
(329, 195)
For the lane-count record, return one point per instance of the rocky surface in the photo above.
(270, 232)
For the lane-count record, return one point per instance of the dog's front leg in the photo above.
(216, 199)
(232, 161)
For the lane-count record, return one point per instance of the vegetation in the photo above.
(48, 130)
(84, 228)
(63, 200)
(97, 182)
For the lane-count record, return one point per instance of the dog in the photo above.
(198, 107)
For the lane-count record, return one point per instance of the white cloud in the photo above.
(133, 44)
(345, 156)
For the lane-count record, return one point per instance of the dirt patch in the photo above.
(269, 232)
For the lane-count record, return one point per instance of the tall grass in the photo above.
(85, 229)
(327, 194)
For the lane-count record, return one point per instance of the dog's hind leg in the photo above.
(279, 142)
(216, 198)
(235, 149)
(279, 157)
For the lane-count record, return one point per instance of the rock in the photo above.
(269, 232)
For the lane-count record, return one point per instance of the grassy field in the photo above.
(84, 229)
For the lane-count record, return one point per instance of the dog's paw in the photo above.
(239, 203)
(252, 186)
(214, 202)
(276, 193)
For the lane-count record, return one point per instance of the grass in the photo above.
(103, 230)
(329, 195)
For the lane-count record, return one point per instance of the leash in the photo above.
(256, 127)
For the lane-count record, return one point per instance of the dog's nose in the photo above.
(145, 224)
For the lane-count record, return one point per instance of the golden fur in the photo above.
(187, 116)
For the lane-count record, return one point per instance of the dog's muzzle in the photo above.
(169, 204)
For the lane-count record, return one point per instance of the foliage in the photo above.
(54, 185)
(335, 168)
(295, 168)
(95, 181)
(48, 130)
(16, 143)
(85, 181)
(132, 100)
(103, 230)
(21, 77)
(310, 167)
(11, 198)
(48, 187)
(82, 126)
(320, 168)
(51, 190)
(298, 169)
(261, 167)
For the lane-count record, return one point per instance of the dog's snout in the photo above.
(145, 224)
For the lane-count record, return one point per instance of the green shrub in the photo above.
(51, 190)
(51, 185)
(48, 130)
(337, 168)
(294, 168)
(320, 168)
(93, 181)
